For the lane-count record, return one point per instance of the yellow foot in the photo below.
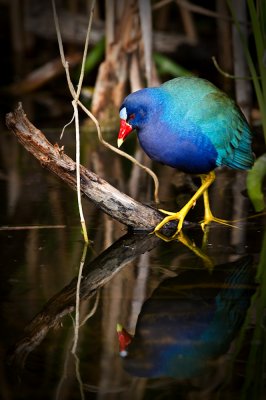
(211, 218)
(171, 217)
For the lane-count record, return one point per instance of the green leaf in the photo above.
(255, 181)
(167, 66)
(95, 55)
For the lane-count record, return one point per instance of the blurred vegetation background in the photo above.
(135, 44)
(132, 44)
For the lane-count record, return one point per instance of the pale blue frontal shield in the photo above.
(123, 113)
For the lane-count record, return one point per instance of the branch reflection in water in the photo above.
(96, 274)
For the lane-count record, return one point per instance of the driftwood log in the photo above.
(116, 204)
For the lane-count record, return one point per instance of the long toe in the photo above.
(167, 212)
(208, 220)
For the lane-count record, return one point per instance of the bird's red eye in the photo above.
(132, 116)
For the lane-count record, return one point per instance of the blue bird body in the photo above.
(189, 124)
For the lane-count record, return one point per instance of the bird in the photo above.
(191, 125)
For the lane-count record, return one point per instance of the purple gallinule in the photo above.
(189, 124)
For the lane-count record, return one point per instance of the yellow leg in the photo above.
(206, 181)
(208, 216)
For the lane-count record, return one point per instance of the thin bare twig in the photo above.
(79, 379)
(226, 74)
(204, 11)
(85, 52)
(75, 96)
(77, 324)
(82, 219)
(93, 310)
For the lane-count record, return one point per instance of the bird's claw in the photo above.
(170, 217)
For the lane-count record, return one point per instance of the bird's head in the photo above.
(135, 113)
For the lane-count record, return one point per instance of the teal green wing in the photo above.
(224, 124)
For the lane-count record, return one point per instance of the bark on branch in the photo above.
(110, 200)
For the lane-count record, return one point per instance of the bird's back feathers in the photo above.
(218, 117)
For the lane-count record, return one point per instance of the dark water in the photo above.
(197, 313)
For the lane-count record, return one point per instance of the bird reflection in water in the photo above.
(186, 327)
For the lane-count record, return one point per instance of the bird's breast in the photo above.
(189, 151)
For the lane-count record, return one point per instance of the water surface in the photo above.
(196, 314)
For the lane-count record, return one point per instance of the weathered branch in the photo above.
(110, 200)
